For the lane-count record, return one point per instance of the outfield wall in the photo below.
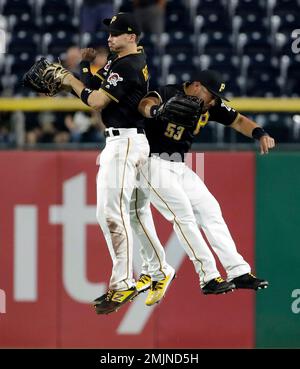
(54, 261)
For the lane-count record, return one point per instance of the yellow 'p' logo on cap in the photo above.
(129, 29)
(222, 87)
(113, 19)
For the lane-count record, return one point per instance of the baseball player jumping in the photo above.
(177, 192)
(143, 225)
(177, 200)
(124, 81)
(180, 195)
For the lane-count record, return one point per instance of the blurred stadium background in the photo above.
(250, 42)
(50, 272)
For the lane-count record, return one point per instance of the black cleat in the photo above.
(113, 300)
(217, 286)
(249, 281)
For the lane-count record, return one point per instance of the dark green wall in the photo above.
(278, 248)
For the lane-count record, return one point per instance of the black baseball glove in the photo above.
(45, 77)
(181, 109)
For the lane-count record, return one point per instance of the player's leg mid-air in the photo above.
(156, 274)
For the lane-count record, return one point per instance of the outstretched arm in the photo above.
(249, 128)
(96, 99)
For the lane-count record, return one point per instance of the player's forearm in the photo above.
(146, 106)
(95, 99)
(250, 129)
(244, 125)
(98, 100)
(76, 85)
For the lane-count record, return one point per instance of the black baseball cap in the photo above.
(123, 23)
(213, 81)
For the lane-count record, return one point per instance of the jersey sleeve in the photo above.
(223, 114)
(97, 79)
(119, 81)
(154, 94)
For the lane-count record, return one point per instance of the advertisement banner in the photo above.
(54, 261)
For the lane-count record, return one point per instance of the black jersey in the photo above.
(170, 138)
(125, 81)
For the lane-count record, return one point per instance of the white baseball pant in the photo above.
(151, 249)
(182, 198)
(120, 161)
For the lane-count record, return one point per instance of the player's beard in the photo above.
(111, 47)
(115, 48)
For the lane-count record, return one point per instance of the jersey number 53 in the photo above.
(174, 131)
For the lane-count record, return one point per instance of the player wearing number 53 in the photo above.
(181, 196)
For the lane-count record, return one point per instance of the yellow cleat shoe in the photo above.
(143, 283)
(113, 300)
(158, 289)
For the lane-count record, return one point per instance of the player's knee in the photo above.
(209, 209)
(213, 218)
(214, 211)
(106, 216)
(185, 219)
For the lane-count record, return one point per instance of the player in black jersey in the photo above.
(180, 138)
(181, 196)
(185, 207)
(121, 85)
